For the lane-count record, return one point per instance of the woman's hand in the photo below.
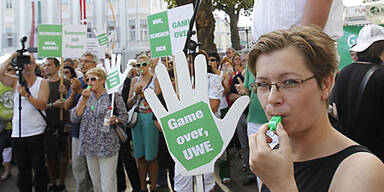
(114, 120)
(274, 167)
(139, 90)
(240, 88)
(86, 93)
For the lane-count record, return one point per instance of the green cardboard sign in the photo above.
(192, 135)
(344, 44)
(159, 35)
(102, 39)
(50, 40)
(113, 80)
(168, 30)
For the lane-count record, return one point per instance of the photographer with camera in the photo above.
(28, 124)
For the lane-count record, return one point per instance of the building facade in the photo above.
(129, 27)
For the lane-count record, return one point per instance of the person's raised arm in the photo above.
(42, 99)
(4, 78)
(80, 108)
(132, 96)
(316, 12)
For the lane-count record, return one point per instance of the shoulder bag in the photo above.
(133, 112)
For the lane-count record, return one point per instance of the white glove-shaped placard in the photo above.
(194, 136)
(115, 78)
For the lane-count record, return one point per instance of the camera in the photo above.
(22, 59)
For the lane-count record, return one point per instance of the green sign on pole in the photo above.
(168, 30)
(192, 135)
(113, 79)
(50, 40)
(159, 35)
(102, 39)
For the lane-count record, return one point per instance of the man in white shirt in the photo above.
(28, 138)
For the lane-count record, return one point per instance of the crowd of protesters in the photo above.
(69, 125)
(63, 121)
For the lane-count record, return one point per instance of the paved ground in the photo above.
(237, 177)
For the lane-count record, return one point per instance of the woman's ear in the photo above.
(327, 86)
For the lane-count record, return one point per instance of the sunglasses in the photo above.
(9, 69)
(212, 60)
(144, 64)
(66, 72)
(91, 79)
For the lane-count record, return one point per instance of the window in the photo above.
(132, 29)
(90, 29)
(9, 40)
(143, 30)
(111, 30)
(8, 4)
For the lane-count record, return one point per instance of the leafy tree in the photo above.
(233, 8)
(205, 23)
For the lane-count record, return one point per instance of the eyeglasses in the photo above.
(144, 64)
(85, 61)
(265, 87)
(91, 79)
(212, 60)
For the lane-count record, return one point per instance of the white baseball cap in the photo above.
(368, 35)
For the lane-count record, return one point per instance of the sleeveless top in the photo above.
(270, 15)
(32, 123)
(143, 106)
(317, 174)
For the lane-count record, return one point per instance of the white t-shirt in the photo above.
(32, 123)
(215, 89)
(270, 15)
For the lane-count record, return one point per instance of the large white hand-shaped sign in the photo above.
(195, 137)
(115, 78)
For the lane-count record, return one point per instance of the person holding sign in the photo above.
(97, 140)
(294, 72)
(145, 136)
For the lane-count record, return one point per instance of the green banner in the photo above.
(50, 40)
(159, 35)
(192, 135)
(344, 44)
(113, 79)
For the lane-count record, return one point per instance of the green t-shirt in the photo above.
(6, 107)
(256, 113)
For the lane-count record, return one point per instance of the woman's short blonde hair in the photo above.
(318, 49)
(226, 60)
(100, 73)
(144, 57)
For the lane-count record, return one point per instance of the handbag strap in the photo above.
(138, 102)
(361, 90)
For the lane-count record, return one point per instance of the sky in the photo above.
(245, 21)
